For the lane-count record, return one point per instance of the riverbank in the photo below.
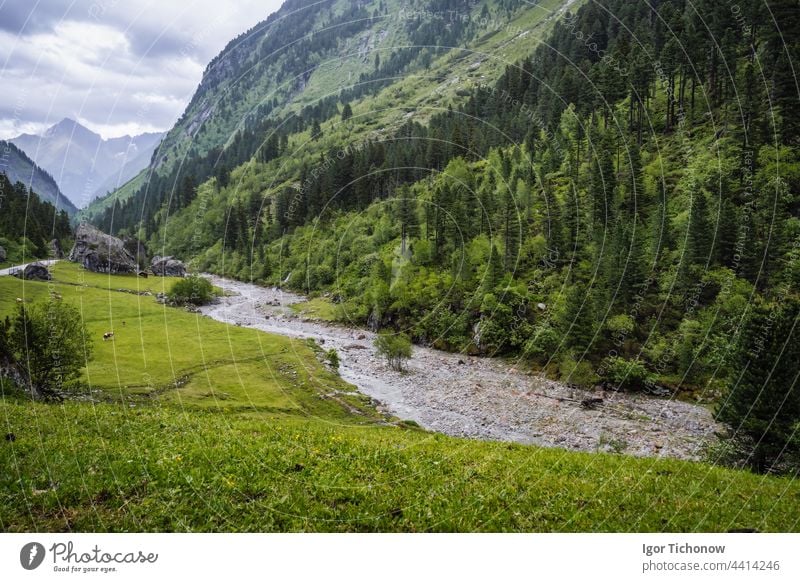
(475, 397)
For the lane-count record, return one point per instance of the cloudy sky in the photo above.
(116, 66)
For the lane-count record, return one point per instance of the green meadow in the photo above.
(186, 424)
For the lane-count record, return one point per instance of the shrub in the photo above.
(47, 344)
(542, 344)
(333, 358)
(192, 290)
(626, 374)
(396, 348)
(621, 325)
(579, 373)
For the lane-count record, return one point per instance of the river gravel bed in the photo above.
(476, 397)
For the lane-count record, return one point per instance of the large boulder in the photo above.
(167, 267)
(34, 272)
(101, 252)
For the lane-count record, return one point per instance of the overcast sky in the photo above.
(116, 66)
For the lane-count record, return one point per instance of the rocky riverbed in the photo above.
(479, 397)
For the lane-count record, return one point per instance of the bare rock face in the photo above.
(55, 249)
(137, 249)
(34, 272)
(167, 267)
(100, 252)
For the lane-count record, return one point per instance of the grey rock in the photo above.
(137, 249)
(100, 252)
(34, 272)
(55, 249)
(167, 267)
(3, 254)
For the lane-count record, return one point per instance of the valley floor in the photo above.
(476, 397)
(183, 423)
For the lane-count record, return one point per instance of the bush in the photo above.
(333, 358)
(192, 290)
(579, 373)
(542, 344)
(626, 374)
(621, 325)
(47, 345)
(396, 348)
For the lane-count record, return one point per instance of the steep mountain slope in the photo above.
(132, 155)
(15, 164)
(292, 72)
(83, 163)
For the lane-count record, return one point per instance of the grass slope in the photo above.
(166, 354)
(199, 426)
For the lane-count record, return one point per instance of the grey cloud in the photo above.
(132, 64)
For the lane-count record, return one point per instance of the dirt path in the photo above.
(478, 397)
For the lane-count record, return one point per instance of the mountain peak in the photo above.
(72, 128)
(83, 164)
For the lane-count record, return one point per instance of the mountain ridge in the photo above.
(16, 164)
(85, 165)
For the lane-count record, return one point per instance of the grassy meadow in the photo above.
(187, 424)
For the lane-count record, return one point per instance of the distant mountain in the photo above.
(85, 165)
(20, 168)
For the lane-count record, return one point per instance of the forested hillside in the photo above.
(28, 223)
(18, 167)
(619, 206)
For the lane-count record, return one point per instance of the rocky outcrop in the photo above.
(55, 249)
(34, 272)
(100, 252)
(167, 267)
(3, 255)
(137, 249)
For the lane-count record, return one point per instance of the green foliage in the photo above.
(542, 345)
(192, 290)
(652, 173)
(621, 324)
(578, 373)
(347, 112)
(28, 223)
(626, 374)
(762, 404)
(49, 345)
(395, 347)
(332, 356)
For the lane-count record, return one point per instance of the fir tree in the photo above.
(762, 407)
